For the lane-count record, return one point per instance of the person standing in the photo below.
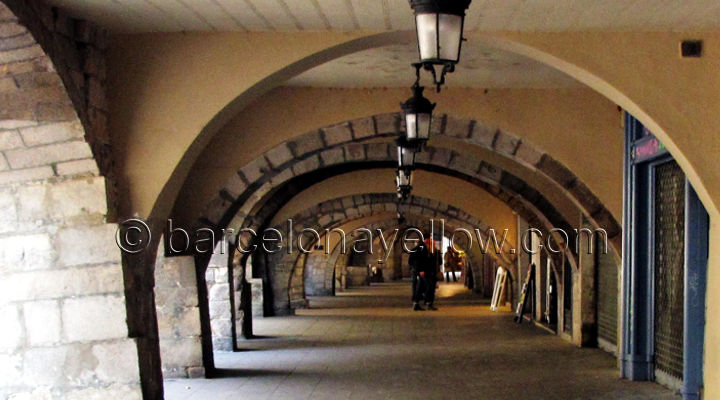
(451, 264)
(433, 261)
(418, 260)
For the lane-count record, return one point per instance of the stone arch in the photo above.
(343, 143)
(592, 75)
(416, 209)
(547, 217)
(63, 299)
(411, 220)
(334, 213)
(77, 50)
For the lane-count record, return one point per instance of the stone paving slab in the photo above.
(367, 344)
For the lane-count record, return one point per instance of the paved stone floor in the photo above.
(368, 344)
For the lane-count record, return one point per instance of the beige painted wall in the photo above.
(163, 95)
(547, 118)
(449, 190)
(168, 91)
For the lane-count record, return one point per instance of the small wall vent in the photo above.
(691, 48)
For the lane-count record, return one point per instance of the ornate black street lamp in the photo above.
(406, 153)
(439, 25)
(417, 111)
(403, 193)
(403, 179)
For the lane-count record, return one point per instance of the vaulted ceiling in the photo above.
(481, 67)
(133, 16)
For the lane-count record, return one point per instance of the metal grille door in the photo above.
(669, 268)
(607, 275)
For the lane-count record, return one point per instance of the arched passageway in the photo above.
(366, 342)
(139, 117)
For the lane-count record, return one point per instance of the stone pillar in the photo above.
(523, 258)
(585, 294)
(176, 301)
(61, 292)
(539, 277)
(67, 305)
(318, 274)
(218, 284)
(243, 296)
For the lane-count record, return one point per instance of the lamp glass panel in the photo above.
(404, 178)
(423, 126)
(426, 25)
(411, 126)
(450, 36)
(406, 157)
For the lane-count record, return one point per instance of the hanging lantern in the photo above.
(400, 218)
(439, 25)
(403, 193)
(403, 178)
(406, 153)
(418, 115)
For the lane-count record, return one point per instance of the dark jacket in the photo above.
(421, 260)
(417, 259)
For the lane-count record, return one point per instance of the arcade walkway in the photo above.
(368, 344)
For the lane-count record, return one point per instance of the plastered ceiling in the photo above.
(481, 67)
(130, 16)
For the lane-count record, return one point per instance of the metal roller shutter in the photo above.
(669, 268)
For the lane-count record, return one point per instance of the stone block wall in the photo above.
(176, 301)
(256, 288)
(296, 291)
(64, 333)
(357, 276)
(221, 320)
(62, 305)
(318, 274)
(71, 87)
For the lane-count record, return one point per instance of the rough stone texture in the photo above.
(218, 285)
(93, 318)
(42, 321)
(387, 123)
(363, 127)
(337, 134)
(332, 156)
(355, 152)
(44, 134)
(216, 209)
(466, 165)
(483, 135)
(555, 170)
(61, 285)
(255, 169)
(306, 143)
(528, 155)
(456, 127)
(307, 165)
(506, 144)
(178, 315)
(235, 186)
(65, 87)
(93, 245)
(377, 151)
(441, 157)
(279, 155)
(116, 361)
(23, 175)
(79, 167)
